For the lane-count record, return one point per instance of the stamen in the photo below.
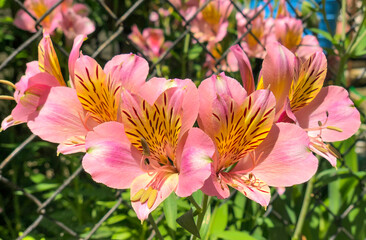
(152, 198)
(145, 147)
(334, 151)
(334, 128)
(321, 149)
(6, 82)
(4, 97)
(145, 196)
(138, 195)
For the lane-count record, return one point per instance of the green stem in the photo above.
(340, 78)
(185, 55)
(155, 227)
(343, 20)
(195, 204)
(202, 214)
(322, 10)
(304, 209)
(158, 71)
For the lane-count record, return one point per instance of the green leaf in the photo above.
(186, 221)
(120, 236)
(37, 178)
(116, 219)
(233, 235)
(2, 3)
(170, 211)
(194, 52)
(41, 187)
(238, 208)
(325, 34)
(219, 220)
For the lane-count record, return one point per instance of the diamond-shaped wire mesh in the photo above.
(41, 209)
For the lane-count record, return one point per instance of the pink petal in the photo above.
(110, 158)
(81, 9)
(309, 45)
(342, 115)
(74, 55)
(8, 122)
(32, 68)
(129, 69)
(24, 21)
(245, 69)
(278, 71)
(285, 114)
(61, 117)
(26, 109)
(74, 144)
(254, 189)
(317, 144)
(35, 92)
(213, 187)
(154, 39)
(142, 210)
(186, 90)
(73, 24)
(286, 159)
(209, 90)
(194, 156)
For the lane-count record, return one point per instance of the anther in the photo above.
(334, 151)
(319, 148)
(152, 198)
(145, 196)
(145, 147)
(334, 128)
(138, 195)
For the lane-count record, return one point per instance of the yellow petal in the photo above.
(308, 81)
(47, 59)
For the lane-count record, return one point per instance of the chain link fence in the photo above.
(38, 189)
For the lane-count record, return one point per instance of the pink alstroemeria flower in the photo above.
(155, 151)
(38, 8)
(68, 17)
(251, 153)
(151, 41)
(325, 113)
(261, 29)
(228, 64)
(283, 28)
(32, 89)
(289, 32)
(210, 25)
(186, 8)
(69, 113)
(74, 20)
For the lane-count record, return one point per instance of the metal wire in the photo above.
(118, 22)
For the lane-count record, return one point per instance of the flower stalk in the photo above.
(304, 209)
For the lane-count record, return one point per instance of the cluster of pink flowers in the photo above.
(139, 135)
(282, 28)
(151, 42)
(69, 18)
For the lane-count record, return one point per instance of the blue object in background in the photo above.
(332, 8)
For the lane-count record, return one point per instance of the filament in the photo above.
(6, 82)
(5, 97)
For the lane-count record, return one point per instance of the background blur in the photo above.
(43, 195)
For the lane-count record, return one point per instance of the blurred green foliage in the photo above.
(338, 199)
